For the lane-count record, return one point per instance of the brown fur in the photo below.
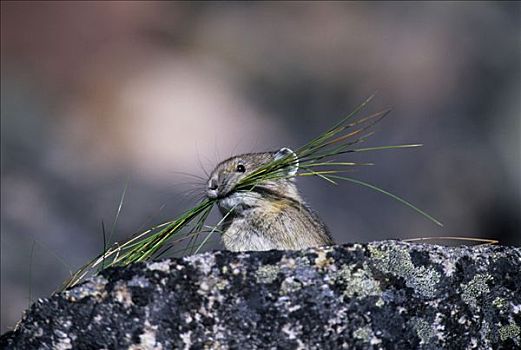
(271, 216)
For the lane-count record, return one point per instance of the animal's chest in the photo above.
(243, 234)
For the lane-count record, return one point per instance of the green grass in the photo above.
(319, 157)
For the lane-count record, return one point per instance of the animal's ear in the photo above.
(292, 158)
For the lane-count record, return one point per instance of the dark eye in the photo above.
(240, 168)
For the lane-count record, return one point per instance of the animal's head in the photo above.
(225, 179)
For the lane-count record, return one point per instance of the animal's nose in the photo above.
(212, 191)
(212, 184)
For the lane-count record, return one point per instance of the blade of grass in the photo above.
(199, 225)
(379, 148)
(376, 118)
(214, 229)
(113, 229)
(455, 238)
(104, 243)
(60, 259)
(311, 165)
(140, 246)
(30, 296)
(340, 122)
(325, 141)
(387, 193)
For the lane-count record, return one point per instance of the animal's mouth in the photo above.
(217, 192)
(213, 194)
(223, 193)
(222, 189)
(214, 190)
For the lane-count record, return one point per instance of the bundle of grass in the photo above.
(319, 158)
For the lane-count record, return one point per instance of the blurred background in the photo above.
(95, 96)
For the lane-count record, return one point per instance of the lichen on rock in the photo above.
(474, 289)
(382, 295)
(397, 261)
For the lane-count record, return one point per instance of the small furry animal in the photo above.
(272, 215)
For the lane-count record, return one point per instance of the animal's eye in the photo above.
(240, 168)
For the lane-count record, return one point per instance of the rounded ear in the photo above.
(293, 166)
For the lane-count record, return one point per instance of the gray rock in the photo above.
(388, 295)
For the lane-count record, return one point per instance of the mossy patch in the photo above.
(290, 285)
(363, 333)
(510, 331)
(423, 329)
(397, 261)
(267, 273)
(474, 289)
(358, 281)
(499, 303)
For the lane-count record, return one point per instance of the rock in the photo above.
(389, 295)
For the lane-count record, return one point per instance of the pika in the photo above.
(272, 214)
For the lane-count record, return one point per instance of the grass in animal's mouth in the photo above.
(319, 157)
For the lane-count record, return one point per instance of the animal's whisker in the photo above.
(189, 183)
(193, 195)
(201, 165)
(183, 173)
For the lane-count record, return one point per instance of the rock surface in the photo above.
(388, 295)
